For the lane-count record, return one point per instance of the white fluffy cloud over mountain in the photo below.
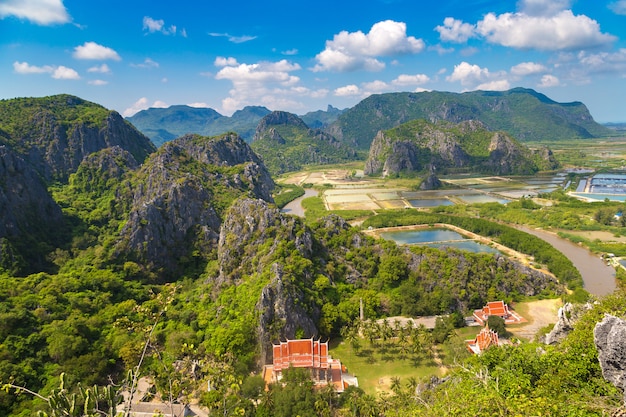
(350, 51)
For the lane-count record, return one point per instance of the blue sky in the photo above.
(300, 56)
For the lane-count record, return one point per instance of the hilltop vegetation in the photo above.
(450, 147)
(180, 253)
(522, 113)
(287, 144)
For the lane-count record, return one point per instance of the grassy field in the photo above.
(375, 367)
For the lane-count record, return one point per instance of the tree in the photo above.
(496, 323)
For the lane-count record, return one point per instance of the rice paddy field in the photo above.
(342, 190)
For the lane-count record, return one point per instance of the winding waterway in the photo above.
(295, 206)
(598, 277)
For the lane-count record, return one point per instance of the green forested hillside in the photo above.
(164, 124)
(452, 147)
(522, 113)
(286, 144)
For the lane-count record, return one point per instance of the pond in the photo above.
(431, 202)
(437, 238)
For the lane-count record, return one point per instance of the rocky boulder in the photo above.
(610, 339)
(567, 316)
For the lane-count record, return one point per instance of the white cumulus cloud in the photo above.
(221, 61)
(65, 73)
(496, 85)
(26, 68)
(350, 51)
(467, 74)
(347, 91)
(454, 30)
(142, 104)
(270, 84)
(549, 81)
(57, 72)
(199, 105)
(410, 80)
(527, 68)
(473, 77)
(41, 12)
(562, 31)
(94, 51)
(97, 82)
(103, 69)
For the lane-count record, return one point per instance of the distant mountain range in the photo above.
(164, 124)
(523, 113)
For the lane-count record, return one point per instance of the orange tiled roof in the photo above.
(301, 353)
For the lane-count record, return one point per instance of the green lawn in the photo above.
(374, 366)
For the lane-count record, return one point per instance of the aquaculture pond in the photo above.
(438, 238)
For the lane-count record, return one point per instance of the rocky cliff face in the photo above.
(252, 243)
(286, 143)
(29, 216)
(278, 118)
(182, 191)
(610, 339)
(467, 145)
(55, 133)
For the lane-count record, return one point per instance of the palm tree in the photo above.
(396, 386)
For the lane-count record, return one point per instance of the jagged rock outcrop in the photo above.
(286, 143)
(610, 339)
(54, 134)
(431, 182)
(98, 168)
(278, 118)
(567, 316)
(282, 315)
(250, 224)
(29, 215)
(468, 145)
(251, 237)
(182, 193)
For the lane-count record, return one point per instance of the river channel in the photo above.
(295, 206)
(598, 277)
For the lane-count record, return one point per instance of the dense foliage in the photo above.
(298, 148)
(542, 251)
(523, 113)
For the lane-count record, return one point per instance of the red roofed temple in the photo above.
(311, 354)
(484, 340)
(497, 308)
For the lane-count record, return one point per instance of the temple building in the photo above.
(497, 308)
(311, 354)
(483, 341)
